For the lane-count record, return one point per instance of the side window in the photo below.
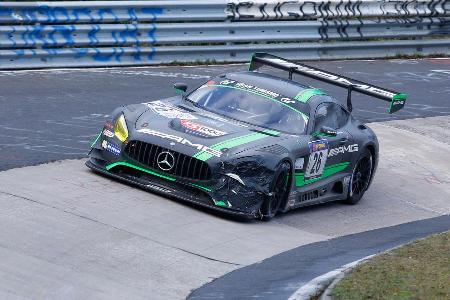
(331, 115)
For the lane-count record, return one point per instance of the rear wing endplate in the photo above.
(397, 100)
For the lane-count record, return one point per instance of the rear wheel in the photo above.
(359, 182)
(278, 192)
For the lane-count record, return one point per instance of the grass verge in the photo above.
(419, 270)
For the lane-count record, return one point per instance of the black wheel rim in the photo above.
(278, 193)
(361, 175)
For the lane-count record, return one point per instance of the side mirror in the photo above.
(328, 131)
(180, 87)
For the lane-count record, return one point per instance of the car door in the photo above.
(329, 152)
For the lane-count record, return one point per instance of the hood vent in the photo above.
(274, 149)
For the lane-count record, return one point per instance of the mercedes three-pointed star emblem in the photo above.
(165, 161)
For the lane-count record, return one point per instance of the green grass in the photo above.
(419, 270)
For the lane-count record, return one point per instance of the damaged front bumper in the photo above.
(221, 195)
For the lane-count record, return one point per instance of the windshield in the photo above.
(252, 105)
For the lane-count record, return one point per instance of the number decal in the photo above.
(317, 159)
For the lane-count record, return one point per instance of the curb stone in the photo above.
(323, 284)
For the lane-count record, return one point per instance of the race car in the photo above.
(246, 143)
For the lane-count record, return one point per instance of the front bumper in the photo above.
(168, 188)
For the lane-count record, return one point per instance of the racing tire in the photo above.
(360, 179)
(279, 190)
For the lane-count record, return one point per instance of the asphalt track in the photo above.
(72, 234)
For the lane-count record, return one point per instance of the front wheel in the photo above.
(359, 182)
(279, 190)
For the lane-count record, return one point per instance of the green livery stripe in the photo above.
(328, 171)
(122, 163)
(305, 95)
(96, 139)
(262, 95)
(234, 142)
(201, 187)
(220, 203)
(321, 134)
(271, 132)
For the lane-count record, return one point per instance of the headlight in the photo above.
(120, 129)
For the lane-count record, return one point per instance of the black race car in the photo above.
(246, 143)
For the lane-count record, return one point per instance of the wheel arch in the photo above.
(374, 152)
(290, 181)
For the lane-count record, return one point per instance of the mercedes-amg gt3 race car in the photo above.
(246, 143)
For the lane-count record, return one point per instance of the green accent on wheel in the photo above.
(264, 96)
(305, 95)
(234, 142)
(122, 163)
(201, 187)
(327, 172)
(96, 139)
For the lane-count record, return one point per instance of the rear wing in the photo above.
(397, 100)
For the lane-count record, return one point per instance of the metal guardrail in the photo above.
(109, 33)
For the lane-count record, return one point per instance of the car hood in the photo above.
(186, 128)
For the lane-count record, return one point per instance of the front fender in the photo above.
(243, 183)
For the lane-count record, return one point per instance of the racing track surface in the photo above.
(69, 233)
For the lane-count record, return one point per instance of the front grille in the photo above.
(184, 165)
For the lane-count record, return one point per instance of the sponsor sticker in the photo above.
(108, 133)
(318, 145)
(111, 147)
(169, 111)
(343, 149)
(253, 88)
(202, 129)
(317, 159)
(333, 77)
(291, 201)
(346, 181)
(299, 162)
